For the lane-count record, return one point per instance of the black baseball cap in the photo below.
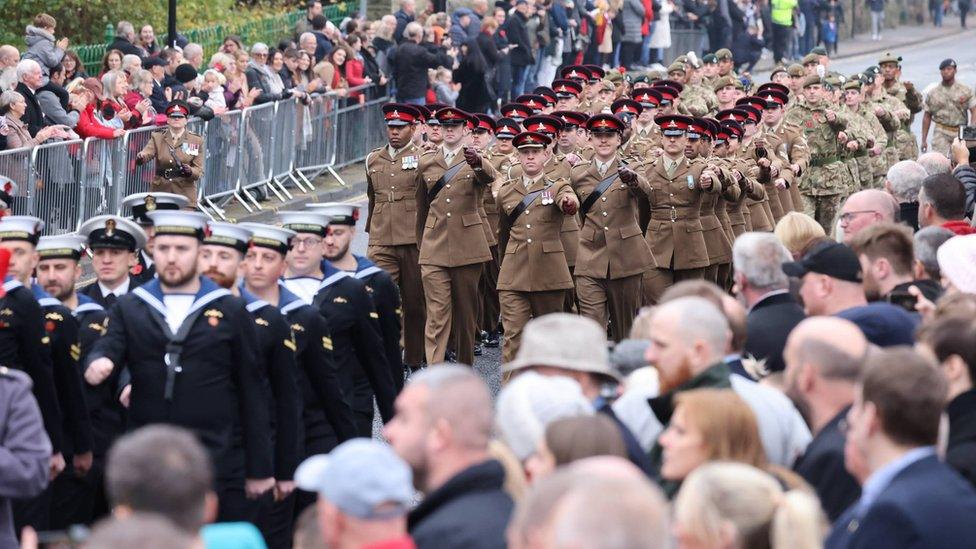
(833, 259)
(947, 63)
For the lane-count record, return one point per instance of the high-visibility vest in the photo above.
(782, 11)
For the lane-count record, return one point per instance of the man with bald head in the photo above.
(824, 357)
(9, 57)
(865, 208)
(935, 163)
(441, 429)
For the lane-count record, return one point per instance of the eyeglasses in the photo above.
(306, 242)
(848, 216)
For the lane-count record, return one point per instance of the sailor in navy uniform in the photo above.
(344, 301)
(24, 345)
(139, 205)
(113, 256)
(191, 349)
(62, 333)
(379, 283)
(8, 190)
(221, 256)
(78, 493)
(327, 417)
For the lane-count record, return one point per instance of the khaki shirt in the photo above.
(391, 187)
(949, 105)
(170, 153)
(676, 204)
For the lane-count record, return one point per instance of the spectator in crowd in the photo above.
(903, 181)
(365, 491)
(796, 231)
(688, 338)
(574, 438)
(747, 49)
(156, 66)
(193, 54)
(529, 403)
(309, 44)
(89, 122)
(213, 87)
(441, 429)
(139, 101)
(29, 80)
(9, 57)
(957, 259)
(125, 40)
(308, 535)
(333, 69)
(25, 450)
(323, 44)
(404, 16)
(935, 163)
(925, 268)
(131, 63)
(143, 530)
(831, 283)
(887, 256)
(909, 493)
(411, 61)
(41, 45)
(521, 56)
(232, 45)
(445, 88)
(111, 61)
(115, 85)
(355, 70)
(460, 22)
(472, 75)
(736, 505)
(147, 41)
(824, 358)
(942, 202)
(951, 340)
(261, 77)
(864, 209)
(877, 8)
(633, 17)
(73, 67)
(963, 171)
(763, 287)
(781, 12)
(313, 8)
(55, 101)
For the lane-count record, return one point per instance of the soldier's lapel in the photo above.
(441, 161)
(682, 168)
(661, 168)
(538, 185)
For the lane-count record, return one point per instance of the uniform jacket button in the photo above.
(606, 228)
(528, 226)
(448, 200)
(448, 214)
(529, 241)
(604, 199)
(448, 185)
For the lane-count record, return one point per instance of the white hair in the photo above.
(25, 67)
(8, 97)
(759, 257)
(131, 59)
(306, 36)
(699, 319)
(905, 179)
(413, 30)
(124, 28)
(192, 50)
(935, 163)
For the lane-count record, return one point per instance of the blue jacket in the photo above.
(926, 505)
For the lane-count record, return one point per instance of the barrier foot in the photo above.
(336, 176)
(281, 187)
(276, 190)
(253, 200)
(216, 209)
(239, 198)
(299, 184)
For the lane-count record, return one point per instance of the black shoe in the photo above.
(450, 356)
(492, 340)
(481, 335)
(479, 349)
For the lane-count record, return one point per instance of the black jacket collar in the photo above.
(482, 477)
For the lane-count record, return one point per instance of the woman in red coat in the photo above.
(354, 69)
(89, 124)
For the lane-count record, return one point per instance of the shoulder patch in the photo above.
(261, 322)
(297, 328)
(54, 316)
(327, 343)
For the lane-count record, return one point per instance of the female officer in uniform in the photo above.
(178, 154)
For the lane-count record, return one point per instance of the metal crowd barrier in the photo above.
(274, 149)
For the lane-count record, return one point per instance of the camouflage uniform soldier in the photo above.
(858, 141)
(949, 105)
(889, 110)
(907, 94)
(825, 184)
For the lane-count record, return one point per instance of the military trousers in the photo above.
(824, 209)
(451, 295)
(658, 280)
(941, 141)
(402, 263)
(785, 202)
(518, 308)
(487, 287)
(610, 299)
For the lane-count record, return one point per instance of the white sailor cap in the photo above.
(142, 203)
(309, 221)
(8, 189)
(342, 213)
(62, 246)
(179, 223)
(21, 227)
(269, 236)
(114, 232)
(221, 233)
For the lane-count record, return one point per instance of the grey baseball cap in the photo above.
(358, 477)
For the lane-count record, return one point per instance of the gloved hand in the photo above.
(185, 170)
(628, 176)
(472, 157)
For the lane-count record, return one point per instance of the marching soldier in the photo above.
(824, 185)
(515, 111)
(867, 157)
(451, 183)
(501, 155)
(113, 258)
(747, 157)
(391, 222)
(344, 301)
(178, 153)
(905, 92)
(726, 65)
(950, 104)
(191, 349)
(725, 92)
(567, 94)
(728, 153)
(379, 284)
(890, 111)
(481, 139)
(674, 233)
(139, 204)
(326, 415)
(534, 276)
(855, 138)
(788, 143)
(612, 254)
(717, 242)
(730, 193)
(221, 256)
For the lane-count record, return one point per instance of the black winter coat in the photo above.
(961, 454)
(518, 34)
(411, 61)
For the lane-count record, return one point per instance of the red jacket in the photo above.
(648, 17)
(960, 227)
(89, 126)
(354, 74)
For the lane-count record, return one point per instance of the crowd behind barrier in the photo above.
(273, 149)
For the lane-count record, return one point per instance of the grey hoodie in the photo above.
(41, 47)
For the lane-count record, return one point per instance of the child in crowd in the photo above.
(213, 86)
(829, 33)
(444, 88)
(41, 46)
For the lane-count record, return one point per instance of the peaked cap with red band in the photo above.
(571, 118)
(626, 106)
(647, 97)
(543, 123)
(397, 114)
(565, 89)
(531, 140)
(506, 128)
(673, 125)
(604, 123)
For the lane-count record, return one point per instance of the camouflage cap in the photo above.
(819, 50)
(810, 58)
(795, 70)
(888, 57)
(676, 66)
(726, 81)
(723, 54)
(607, 85)
(615, 76)
(812, 80)
(852, 84)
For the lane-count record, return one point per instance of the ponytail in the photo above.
(798, 522)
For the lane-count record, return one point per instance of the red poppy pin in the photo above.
(136, 270)
(213, 321)
(49, 326)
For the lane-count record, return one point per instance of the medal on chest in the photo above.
(546, 197)
(409, 162)
(691, 182)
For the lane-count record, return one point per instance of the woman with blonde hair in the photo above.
(796, 231)
(734, 505)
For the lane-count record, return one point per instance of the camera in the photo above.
(967, 133)
(904, 300)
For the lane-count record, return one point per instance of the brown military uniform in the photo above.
(170, 153)
(391, 187)
(612, 254)
(674, 233)
(487, 286)
(759, 210)
(534, 276)
(453, 246)
(790, 145)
